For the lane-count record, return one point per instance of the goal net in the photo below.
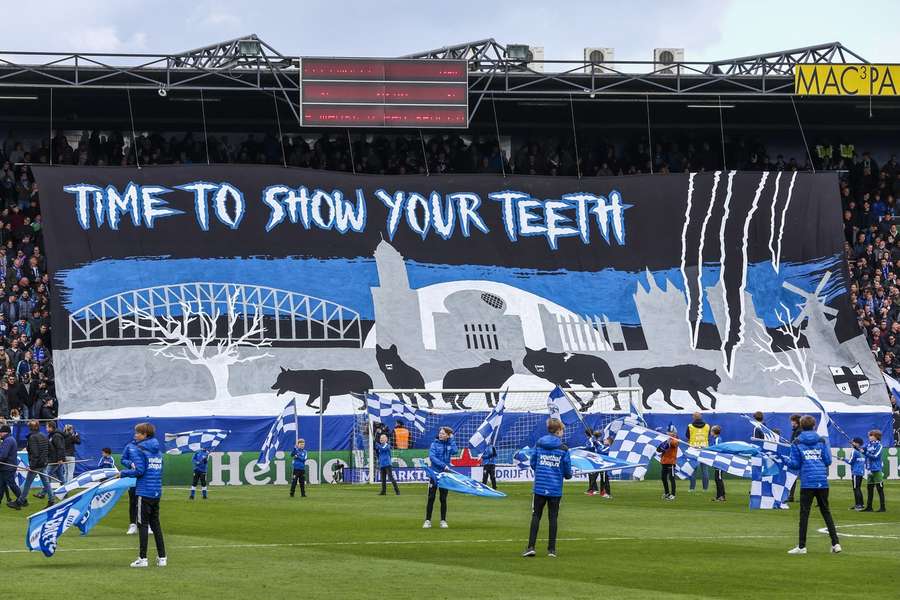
(524, 422)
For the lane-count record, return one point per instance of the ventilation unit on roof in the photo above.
(526, 55)
(599, 57)
(663, 57)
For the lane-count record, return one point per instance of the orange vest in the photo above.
(401, 438)
(668, 457)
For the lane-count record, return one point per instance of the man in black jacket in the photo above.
(38, 447)
(56, 455)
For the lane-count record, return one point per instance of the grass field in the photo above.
(348, 542)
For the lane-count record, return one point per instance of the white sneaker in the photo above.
(426, 524)
(797, 550)
(149, 531)
(139, 563)
(836, 549)
(785, 506)
(444, 525)
(132, 529)
(161, 562)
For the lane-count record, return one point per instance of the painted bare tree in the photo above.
(193, 336)
(792, 365)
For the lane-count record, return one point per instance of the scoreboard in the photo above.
(369, 92)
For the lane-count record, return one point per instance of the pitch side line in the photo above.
(406, 543)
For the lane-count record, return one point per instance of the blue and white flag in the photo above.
(46, 527)
(457, 482)
(103, 501)
(21, 468)
(85, 480)
(560, 407)
(284, 423)
(634, 417)
(767, 433)
(893, 386)
(771, 481)
(636, 444)
(192, 441)
(733, 464)
(585, 461)
(382, 410)
(522, 458)
(489, 430)
(745, 448)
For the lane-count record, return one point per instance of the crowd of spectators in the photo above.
(399, 154)
(27, 388)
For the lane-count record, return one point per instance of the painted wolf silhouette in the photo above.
(690, 378)
(490, 375)
(336, 383)
(400, 375)
(566, 370)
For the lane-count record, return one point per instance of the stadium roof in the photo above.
(248, 63)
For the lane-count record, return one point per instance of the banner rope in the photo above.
(803, 135)
(575, 137)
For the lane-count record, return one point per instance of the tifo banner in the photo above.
(189, 291)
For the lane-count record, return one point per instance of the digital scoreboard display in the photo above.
(368, 92)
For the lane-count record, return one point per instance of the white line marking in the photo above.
(712, 201)
(684, 278)
(863, 535)
(428, 541)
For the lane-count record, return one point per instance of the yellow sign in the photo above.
(847, 80)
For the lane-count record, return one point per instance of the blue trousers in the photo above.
(704, 470)
(29, 479)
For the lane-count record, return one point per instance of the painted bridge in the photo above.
(289, 317)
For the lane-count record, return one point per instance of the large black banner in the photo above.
(197, 290)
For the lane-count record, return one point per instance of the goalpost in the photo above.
(524, 421)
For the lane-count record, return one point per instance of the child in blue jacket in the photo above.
(551, 464)
(148, 470)
(200, 460)
(126, 458)
(299, 468)
(106, 460)
(605, 490)
(718, 476)
(592, 444)
(872, 451)
(489, 465)
(857, 464)
(383, 448)
(439, 454)
(811, 455)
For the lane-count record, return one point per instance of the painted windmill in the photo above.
(814, 303)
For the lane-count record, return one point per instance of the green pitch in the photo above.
(348, 542)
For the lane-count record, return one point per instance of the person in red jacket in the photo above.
(668, 453)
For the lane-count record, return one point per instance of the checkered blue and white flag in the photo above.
(85, 480)
(560, 407)
(191, 441)
(284, 423)
(733, 464)
(382, 410)
(400, 410)
(767, 433)
(636, 444)
(771, 480)
(489, 429)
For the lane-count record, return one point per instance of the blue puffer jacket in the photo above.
(811, 454)
(8, 450)
(440, 454)
(872, 450)
(200, 458)
(857, 463)
(384, 454)
(299, 457)
(128, 454)
(490, 456)
(148, 469)
(551, 464)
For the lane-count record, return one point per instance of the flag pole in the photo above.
(21, 468)
(321, 417)
(371, 428)
(577, 411)
(296, 424)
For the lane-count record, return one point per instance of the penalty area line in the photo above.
(840, 530)
(397, 543)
